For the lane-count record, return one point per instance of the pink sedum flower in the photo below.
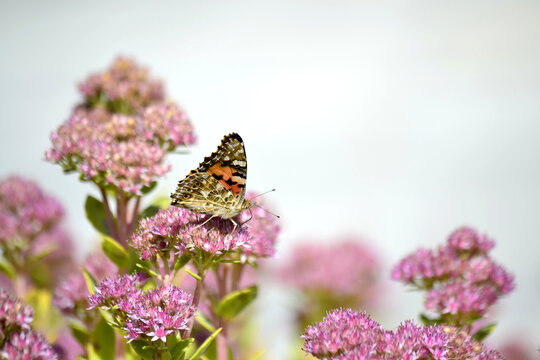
(125, 85)
(348, 335)
(27, 345)
(14, 313)
(460, 278)
(17, 339)
(122, 133)
(181, 230)
(154, 314)
(25, 210)
(32, 238)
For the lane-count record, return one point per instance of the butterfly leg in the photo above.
(207, 220)
(235, 225)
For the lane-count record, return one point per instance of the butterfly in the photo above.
(218, 186)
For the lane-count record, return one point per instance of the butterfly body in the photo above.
(218, 186)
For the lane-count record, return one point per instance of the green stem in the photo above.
(110, 221)
(121, 217)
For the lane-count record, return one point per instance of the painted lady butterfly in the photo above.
(218, 186)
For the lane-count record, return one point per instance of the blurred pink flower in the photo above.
(70, 295)
(32, 238)
(263, 228)
(346, 268)
(460, 278)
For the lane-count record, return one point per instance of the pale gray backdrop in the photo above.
(397, 120)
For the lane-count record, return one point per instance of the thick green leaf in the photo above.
(149, 211)
(146, 189)
(7, 268)
(427, 321)
(80, 332)
(142, 349)
(484, 332)
(204, 321)
(172, 340)
(200, 351)
(96, 214)
(180, 348)
(232, 304)
(115, 252)
(90, 281)
(103, 340)
(182, 261)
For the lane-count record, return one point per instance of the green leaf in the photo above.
(200, 351)
(7, 268)
(193, 274)
(103, 340)
(180, 348)
(142, 349)
(80, 332)
(427, 321)
(96, 214)
(90, 281)
(204, 321)
(144, 267)
(115, 252)
(147, 188)
(484, 332)
(232, 304)
(257, 355)
(149, 211)
(172, 340)
(180, 263)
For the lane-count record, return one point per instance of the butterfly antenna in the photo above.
(269, 212)
(266, 192)
(250, 217)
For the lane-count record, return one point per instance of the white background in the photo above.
(397, 120)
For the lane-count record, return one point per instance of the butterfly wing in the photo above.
(218, 185)
(228, 164)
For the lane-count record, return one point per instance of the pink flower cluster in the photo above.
(27, 345)
(31, 234)
(17, 339)
(14, 313)
(25, 211)
(154, 314)
(181, 229)
(124, 86)
(124, 149)
(460, 277)
(347, 268)
(345, 334)
(263, 228)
